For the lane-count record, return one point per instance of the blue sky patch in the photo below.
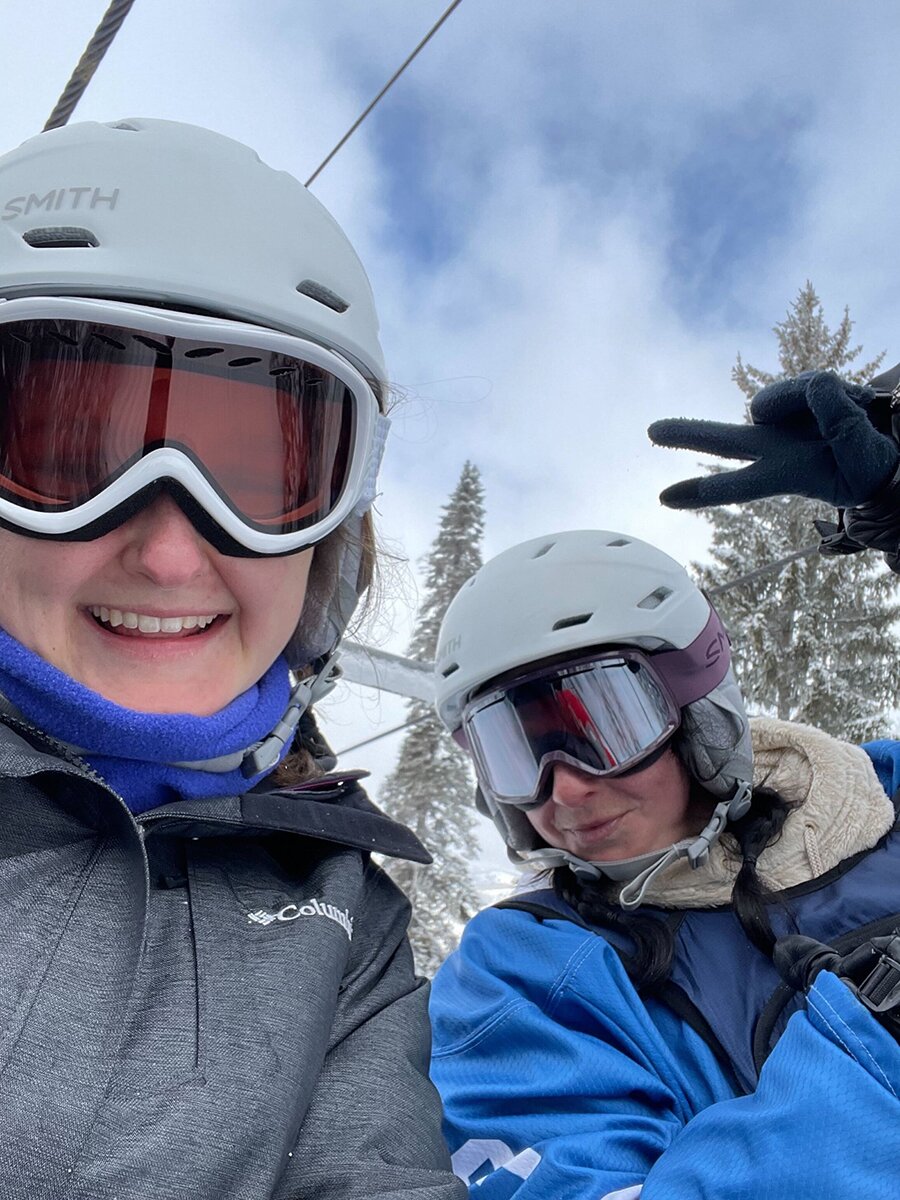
(738, 193)
(425, 217)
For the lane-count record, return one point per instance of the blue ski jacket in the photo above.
(560, 1082)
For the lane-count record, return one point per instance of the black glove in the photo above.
(876, 525)
(871, 971)
(810, 436)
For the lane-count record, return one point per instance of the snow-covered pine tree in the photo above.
(431, 787)
(812, 642)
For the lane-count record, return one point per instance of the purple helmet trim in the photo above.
(696, 670)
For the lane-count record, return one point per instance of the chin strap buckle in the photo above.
(304, 693)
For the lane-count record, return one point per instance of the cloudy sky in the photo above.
(574, 213)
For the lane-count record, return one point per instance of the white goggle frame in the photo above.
(369, 425)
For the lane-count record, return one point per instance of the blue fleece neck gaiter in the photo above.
(135, 752)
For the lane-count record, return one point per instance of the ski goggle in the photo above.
(267, 441)
(604, 715)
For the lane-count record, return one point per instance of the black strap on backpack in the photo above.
(764, 1037)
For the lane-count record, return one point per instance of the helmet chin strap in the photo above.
(639, 872)
(305, 692)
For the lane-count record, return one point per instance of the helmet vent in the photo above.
(127, 126)
(620, 542)
(655, 599)
(153, 344)
(568, 622)
(323, 295)
(448, 671)
(59, 237)
(545, 549)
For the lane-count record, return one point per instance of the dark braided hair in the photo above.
(652, 938)
(750, 898)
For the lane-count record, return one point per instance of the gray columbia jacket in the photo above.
(212, 1001)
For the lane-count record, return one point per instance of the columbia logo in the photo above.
(309, 908)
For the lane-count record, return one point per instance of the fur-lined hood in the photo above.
(841, 809)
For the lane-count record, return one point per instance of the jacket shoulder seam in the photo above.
(478, 1035)
(553, 993)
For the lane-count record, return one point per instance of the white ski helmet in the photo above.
(164, 214)
(567, 593)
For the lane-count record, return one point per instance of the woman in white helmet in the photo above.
(619, 1028)
(206, 989)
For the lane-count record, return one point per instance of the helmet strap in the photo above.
(639, 872)
(266, 754)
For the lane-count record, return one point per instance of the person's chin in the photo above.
(163, 691)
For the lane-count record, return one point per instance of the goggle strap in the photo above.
(693, 672)
(376, 453)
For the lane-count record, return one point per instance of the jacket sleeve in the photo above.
(373, 1130)
(559, 1083)
(824, 1120)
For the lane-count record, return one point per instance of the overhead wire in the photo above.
(93, 53)
(385, 733)
(765, 569)
(390, 83)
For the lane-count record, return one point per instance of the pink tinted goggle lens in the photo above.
(81, 402)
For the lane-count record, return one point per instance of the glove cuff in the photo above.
(835, 539)
(876, 524)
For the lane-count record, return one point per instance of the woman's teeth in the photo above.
(146, 624)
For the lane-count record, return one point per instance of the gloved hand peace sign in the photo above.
(810, 436)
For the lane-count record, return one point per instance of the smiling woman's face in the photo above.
(607, 818)
(150, 615)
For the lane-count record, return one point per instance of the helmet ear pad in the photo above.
(518, 834)
(340, 572)
(713, 741)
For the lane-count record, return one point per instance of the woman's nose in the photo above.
(164, 546)
(572, 787)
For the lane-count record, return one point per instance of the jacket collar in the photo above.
(840, 809)
(333, 808)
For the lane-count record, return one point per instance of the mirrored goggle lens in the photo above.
(80, 403)
(606, 715)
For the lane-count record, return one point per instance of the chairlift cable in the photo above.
(88, 63)
(385, 733)
(390, 83)
(763, 570)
